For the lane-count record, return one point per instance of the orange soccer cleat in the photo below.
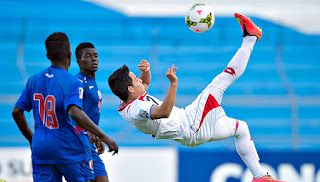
(266, 178)
(248, 27)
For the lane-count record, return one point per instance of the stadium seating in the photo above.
(278, 95)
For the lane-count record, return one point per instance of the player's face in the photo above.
(89, 60)
(138, 87)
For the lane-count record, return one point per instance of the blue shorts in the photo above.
(94, 166)
(87, 169)
(54, 172)
(98, 166)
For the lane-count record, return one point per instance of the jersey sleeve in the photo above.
(141, 110)
(74, 95)
(24, 102)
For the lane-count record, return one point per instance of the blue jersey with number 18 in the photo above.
(49, 93)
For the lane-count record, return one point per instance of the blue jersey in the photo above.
(91, 98)
(92, 107)
(49, 93)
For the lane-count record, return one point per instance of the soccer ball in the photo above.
(200, 18)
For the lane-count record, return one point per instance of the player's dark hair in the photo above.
(58, 46)
(81, 46)
(119, 82)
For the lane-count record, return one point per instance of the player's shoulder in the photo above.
(37, 76)
(63, 77)
(125, 107)
(68, 77)
(80, 76)
(127, 111)
(136, 103)
(137, 110)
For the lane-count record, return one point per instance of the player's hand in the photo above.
(171, 74)
(100, 146)
(113, 147)
(144, 66)
(93, 138)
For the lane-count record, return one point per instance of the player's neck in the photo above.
(127, 101)
(131, 97)
(60, 64)
(89, 74)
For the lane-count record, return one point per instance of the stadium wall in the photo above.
(166, 164)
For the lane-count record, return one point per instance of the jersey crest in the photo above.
(143, 113)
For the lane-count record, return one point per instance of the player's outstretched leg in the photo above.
(238, 64)
(248, 27)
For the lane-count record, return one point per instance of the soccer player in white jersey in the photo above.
(202, 121)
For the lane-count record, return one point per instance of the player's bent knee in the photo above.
(243, 129)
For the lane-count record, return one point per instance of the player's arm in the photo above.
(164, 110)
(145, 74)
(22, 123)
(83, 121)
(93, 138)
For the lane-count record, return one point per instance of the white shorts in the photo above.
(202, 116)
(207, 119)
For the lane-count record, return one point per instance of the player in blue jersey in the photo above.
(87, 58)
(56, 99)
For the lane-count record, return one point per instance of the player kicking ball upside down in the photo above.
(202, 121)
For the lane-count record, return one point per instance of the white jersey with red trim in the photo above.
(138, 113)
(191, 126)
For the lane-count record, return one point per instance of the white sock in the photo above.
(240, 59)
(247, 150)
(248, 42)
